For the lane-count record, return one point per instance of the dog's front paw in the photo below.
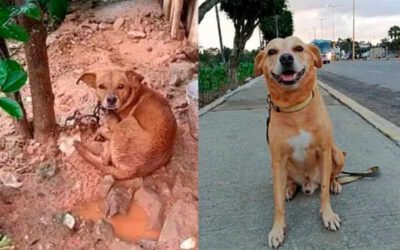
(276, 237)
(290, 191)
(331, 221)
(336, 187)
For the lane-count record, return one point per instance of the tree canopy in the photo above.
(285, 25)
(246, 15)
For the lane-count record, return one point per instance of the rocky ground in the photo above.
(50, 198)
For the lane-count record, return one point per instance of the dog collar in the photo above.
(290, 109)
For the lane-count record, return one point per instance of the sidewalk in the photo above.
(235, 184)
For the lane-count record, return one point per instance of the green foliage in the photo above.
(8, 28)
(56, 9)
(252, 9)
(285, 25)
(12, 76)
(213, 75)
(14, 31)
(30, 10)
(11, 107)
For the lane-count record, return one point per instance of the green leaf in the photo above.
(4, 15)
(57, 9)
(3, 73)
(14, 31)
(31, 10)
(11, 107)
(16, 76)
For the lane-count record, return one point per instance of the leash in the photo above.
(346, 177)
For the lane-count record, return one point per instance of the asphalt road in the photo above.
(374, 84)
(235, 186)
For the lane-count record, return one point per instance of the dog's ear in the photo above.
(259, 63)
(132, 75)
(88, 78)
(316, 55)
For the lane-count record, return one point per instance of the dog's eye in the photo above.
(272, 52)
(121, 86)
(298, 49)
(102, 86)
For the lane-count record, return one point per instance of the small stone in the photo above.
(169, 96)
(47, 170)
(136, 34)
(69, 221)
(248, 79)
(181, 72)
(104, 26)
(104, 186)
(179, 226)
(151, 203)
(189, 243)
(191, 52)
(118, 201)
(119, 22)
(104, 230)
(9, 179)
(148, 244)
(149, 49)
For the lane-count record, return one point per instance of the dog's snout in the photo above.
(111, 100)
(286, 59)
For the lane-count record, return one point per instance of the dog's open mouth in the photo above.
(289, 77)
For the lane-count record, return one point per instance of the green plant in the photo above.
(12, 75)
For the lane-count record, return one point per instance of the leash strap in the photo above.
(349, 177)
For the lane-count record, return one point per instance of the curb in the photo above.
(384, 126)
(209, 107)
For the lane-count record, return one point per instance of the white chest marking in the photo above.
(299, 144)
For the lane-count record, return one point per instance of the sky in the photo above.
(372, 21)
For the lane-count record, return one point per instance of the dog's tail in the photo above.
(93, 159)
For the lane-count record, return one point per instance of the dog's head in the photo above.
(286, 62)
(114, 88)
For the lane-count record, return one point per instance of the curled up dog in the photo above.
(139, 135)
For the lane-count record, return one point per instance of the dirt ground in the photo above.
(62, 200)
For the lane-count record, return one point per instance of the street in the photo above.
(235, 181)
(375, 84)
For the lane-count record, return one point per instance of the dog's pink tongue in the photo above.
(288, 77)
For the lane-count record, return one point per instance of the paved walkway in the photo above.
(235, 184)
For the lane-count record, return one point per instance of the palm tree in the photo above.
(394, 34)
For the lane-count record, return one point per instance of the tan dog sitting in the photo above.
(142, 139)
(302, 148)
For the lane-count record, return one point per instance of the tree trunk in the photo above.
(44, 121)
(23, 127)
(243, 32)
(234, 58)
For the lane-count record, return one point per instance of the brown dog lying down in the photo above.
(141, 132)
(302, 148)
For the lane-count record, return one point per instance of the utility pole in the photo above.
(322, 32)
(221, 44)
(354, 29)
(333, 19)
(276, 26)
